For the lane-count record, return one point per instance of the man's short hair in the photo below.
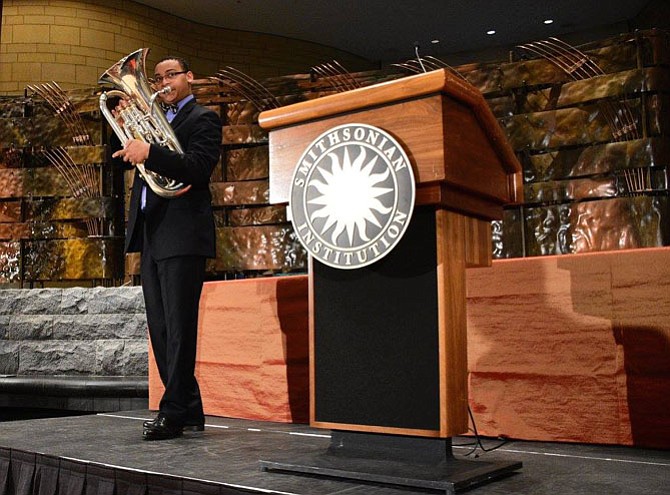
(182, 62)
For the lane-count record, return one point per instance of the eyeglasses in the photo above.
(169, 76)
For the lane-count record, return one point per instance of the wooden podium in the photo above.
(388, 351)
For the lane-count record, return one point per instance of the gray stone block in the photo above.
(10, 301)
(95, 327)
(4, 325)
(109, 354)
(74, 301)
(136, 328)
(40, 301)
(57, 358)
(9, 357)
(122, 358)
(79, 327)
(137, 358)
(30, 327)
(124, 300)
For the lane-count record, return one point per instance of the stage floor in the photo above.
(226, 457)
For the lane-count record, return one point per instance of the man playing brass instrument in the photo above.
(175, 236)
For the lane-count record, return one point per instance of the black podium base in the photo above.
(396, 460)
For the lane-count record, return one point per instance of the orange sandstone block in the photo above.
(252, 359)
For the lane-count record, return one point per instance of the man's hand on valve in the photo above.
(134, 151)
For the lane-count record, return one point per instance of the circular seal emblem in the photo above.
(352, 196)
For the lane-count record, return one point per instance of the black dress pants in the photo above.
(172, 290)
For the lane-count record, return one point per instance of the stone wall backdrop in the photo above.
(74, 349)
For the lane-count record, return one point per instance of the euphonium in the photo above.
(142, 119)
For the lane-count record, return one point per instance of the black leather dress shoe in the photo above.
(162, 429)
(189, 425)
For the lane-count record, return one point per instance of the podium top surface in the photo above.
(460, 154)
(406, 88)
(438, 81)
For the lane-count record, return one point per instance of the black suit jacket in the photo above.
(184, 225)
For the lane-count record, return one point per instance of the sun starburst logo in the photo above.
(352, 196)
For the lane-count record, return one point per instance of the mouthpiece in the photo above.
(163, 91)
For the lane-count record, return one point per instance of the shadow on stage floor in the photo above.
(105, 454)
